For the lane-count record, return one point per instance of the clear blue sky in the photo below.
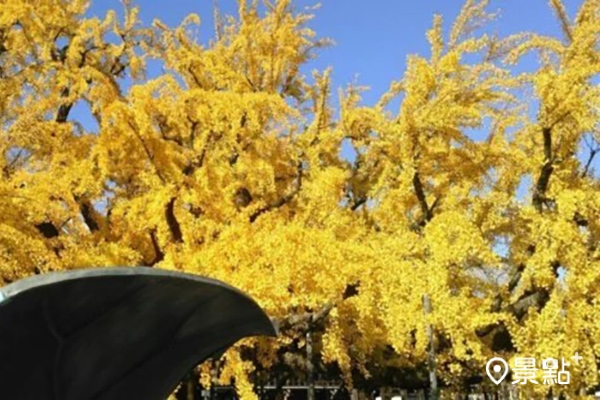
(373, 37)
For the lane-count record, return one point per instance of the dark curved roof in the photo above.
(116, 333)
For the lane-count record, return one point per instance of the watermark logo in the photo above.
(525, 370)
(497, 367)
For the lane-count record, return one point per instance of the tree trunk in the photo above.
(214, 378)
(191, 389)
(187, 389)
(310, 367)
(431, 365)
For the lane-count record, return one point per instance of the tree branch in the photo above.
(63, 111)
(303, 322)
(174, 226)
(539, 194)
(147, 151)
(357, 203)
(418, 185)
(47, 229)
(283, 200)
(593, 153)
(158, 253)
(87, 212)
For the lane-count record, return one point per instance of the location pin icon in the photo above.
(500, 367)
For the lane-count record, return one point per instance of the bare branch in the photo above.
(589, 162)
(593, 151)
(563, 18)
(217, 20)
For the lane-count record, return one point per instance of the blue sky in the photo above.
(372, 37)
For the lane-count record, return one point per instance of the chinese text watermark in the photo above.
(525, 370)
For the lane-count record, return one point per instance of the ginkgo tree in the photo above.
(428, 250)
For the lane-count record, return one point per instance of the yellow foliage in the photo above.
(228, 165)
